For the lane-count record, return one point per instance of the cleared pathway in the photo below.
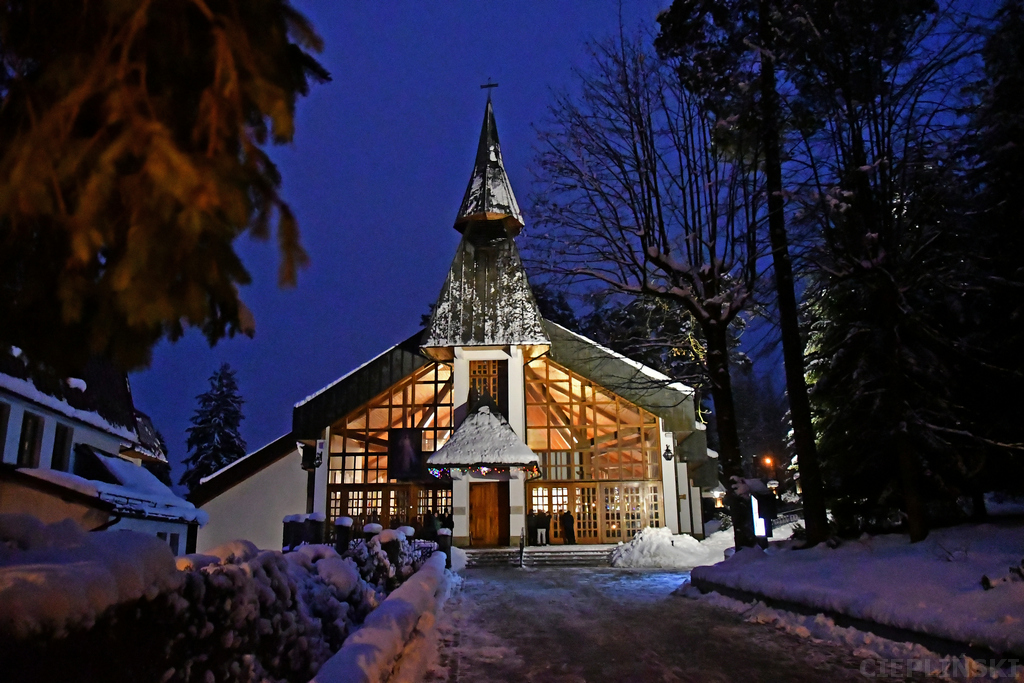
(598, 624)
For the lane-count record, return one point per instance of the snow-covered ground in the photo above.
(932, 587)
(880, 657)
(610, 625)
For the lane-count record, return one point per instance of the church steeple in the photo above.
(489, 196)
(486, 298)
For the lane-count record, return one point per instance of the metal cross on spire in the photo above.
(488, 87)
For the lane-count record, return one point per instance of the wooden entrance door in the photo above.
(488, 514)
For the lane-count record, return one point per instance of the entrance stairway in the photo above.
(542, 556)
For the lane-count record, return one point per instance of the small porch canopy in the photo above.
(484, 439)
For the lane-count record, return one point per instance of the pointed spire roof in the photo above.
(486, 299)
(489, 195)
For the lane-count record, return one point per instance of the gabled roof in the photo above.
(630, 379)
(483, 439)
(239, 470)
(489, 194)
(100, 398)
(348, 392)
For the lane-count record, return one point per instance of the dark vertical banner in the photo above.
(405, 454)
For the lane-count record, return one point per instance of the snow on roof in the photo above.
(484, 438)
(344, 377)
(489, 192)
(645, 369)
(26, 389)
(486, 300)
(231, 464)
(138, 494)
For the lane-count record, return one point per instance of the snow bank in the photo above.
(1004, 505)
(111, 607)
(659, 547)
(459, 559)
(932, 587)
(371, 654)
(53, 577)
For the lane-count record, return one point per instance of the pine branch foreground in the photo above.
(132, 156)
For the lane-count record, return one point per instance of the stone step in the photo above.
(545, 556)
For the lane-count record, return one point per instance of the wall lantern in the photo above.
(668, 453)
(312, 456)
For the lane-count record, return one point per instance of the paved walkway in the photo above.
(614, 625)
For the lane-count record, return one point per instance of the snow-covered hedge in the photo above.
(113, 607)
(393, 635)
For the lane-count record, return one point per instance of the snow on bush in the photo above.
(383, 571)
(659, 547)
(113, 607)
(55, 577)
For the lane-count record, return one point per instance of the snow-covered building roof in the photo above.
(353, 389)
(634, 381)
(489, 194)
(101, 399)
(132, 489)
(484, 439)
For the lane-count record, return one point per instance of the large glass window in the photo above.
(359, 442)
(582, 431)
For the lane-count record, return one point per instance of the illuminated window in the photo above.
(583, 432)
(355, 503)
(483, 376)
(359, 441)
(436, 501)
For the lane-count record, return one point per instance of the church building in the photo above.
(488, 413)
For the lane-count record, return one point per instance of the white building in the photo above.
(79, 449)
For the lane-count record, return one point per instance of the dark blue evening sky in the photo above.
(381, 158)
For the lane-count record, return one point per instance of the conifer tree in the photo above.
(213, 439)
(133, 155)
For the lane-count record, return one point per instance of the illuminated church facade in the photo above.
(487, 413)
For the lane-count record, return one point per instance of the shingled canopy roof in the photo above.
(484, 439)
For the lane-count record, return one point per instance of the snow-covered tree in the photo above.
(637, 197)
(213, 438)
